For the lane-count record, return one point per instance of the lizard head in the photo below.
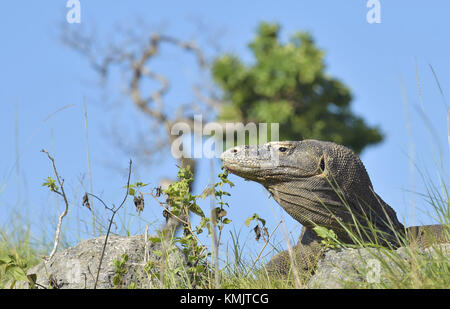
(300, 174)
(316, 182)
(290, 160)
(260, 163)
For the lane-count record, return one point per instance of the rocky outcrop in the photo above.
(127, 261)
(76, 267)
(352, 268)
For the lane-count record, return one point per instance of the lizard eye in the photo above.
(282, 149)
(322, 164)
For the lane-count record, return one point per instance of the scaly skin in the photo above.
(319, 184)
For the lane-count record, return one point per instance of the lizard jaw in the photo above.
(240, 167)
(242, 171)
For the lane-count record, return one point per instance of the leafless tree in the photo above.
(135, 58)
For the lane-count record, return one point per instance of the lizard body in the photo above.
(324, 184)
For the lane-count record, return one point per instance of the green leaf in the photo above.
(325, 233)
(226, 221)
(32, 280)
(249, 220)
(154, 239)
(51, 184)
(18, 273)
(117, 280)
(207, 192)
(255, 217)
(6, 260)
(197, 210)
(262, 221)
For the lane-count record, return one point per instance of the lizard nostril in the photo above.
(322, 164)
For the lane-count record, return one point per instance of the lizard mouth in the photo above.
(229, 169)
(248, 172)
(239, 169)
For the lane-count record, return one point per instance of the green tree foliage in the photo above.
(288, 84)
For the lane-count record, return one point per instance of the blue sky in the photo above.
(378, 62)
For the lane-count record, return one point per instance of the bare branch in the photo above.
(66, 203)
(189, 46)
(114, 211)
(134, 55)
(101, 201)
(212, 102)
(261, 251)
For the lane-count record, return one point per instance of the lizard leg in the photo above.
(305, 254)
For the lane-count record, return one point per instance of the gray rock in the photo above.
(76, 267)
(343, 268)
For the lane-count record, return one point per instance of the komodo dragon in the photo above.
(323, 184)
